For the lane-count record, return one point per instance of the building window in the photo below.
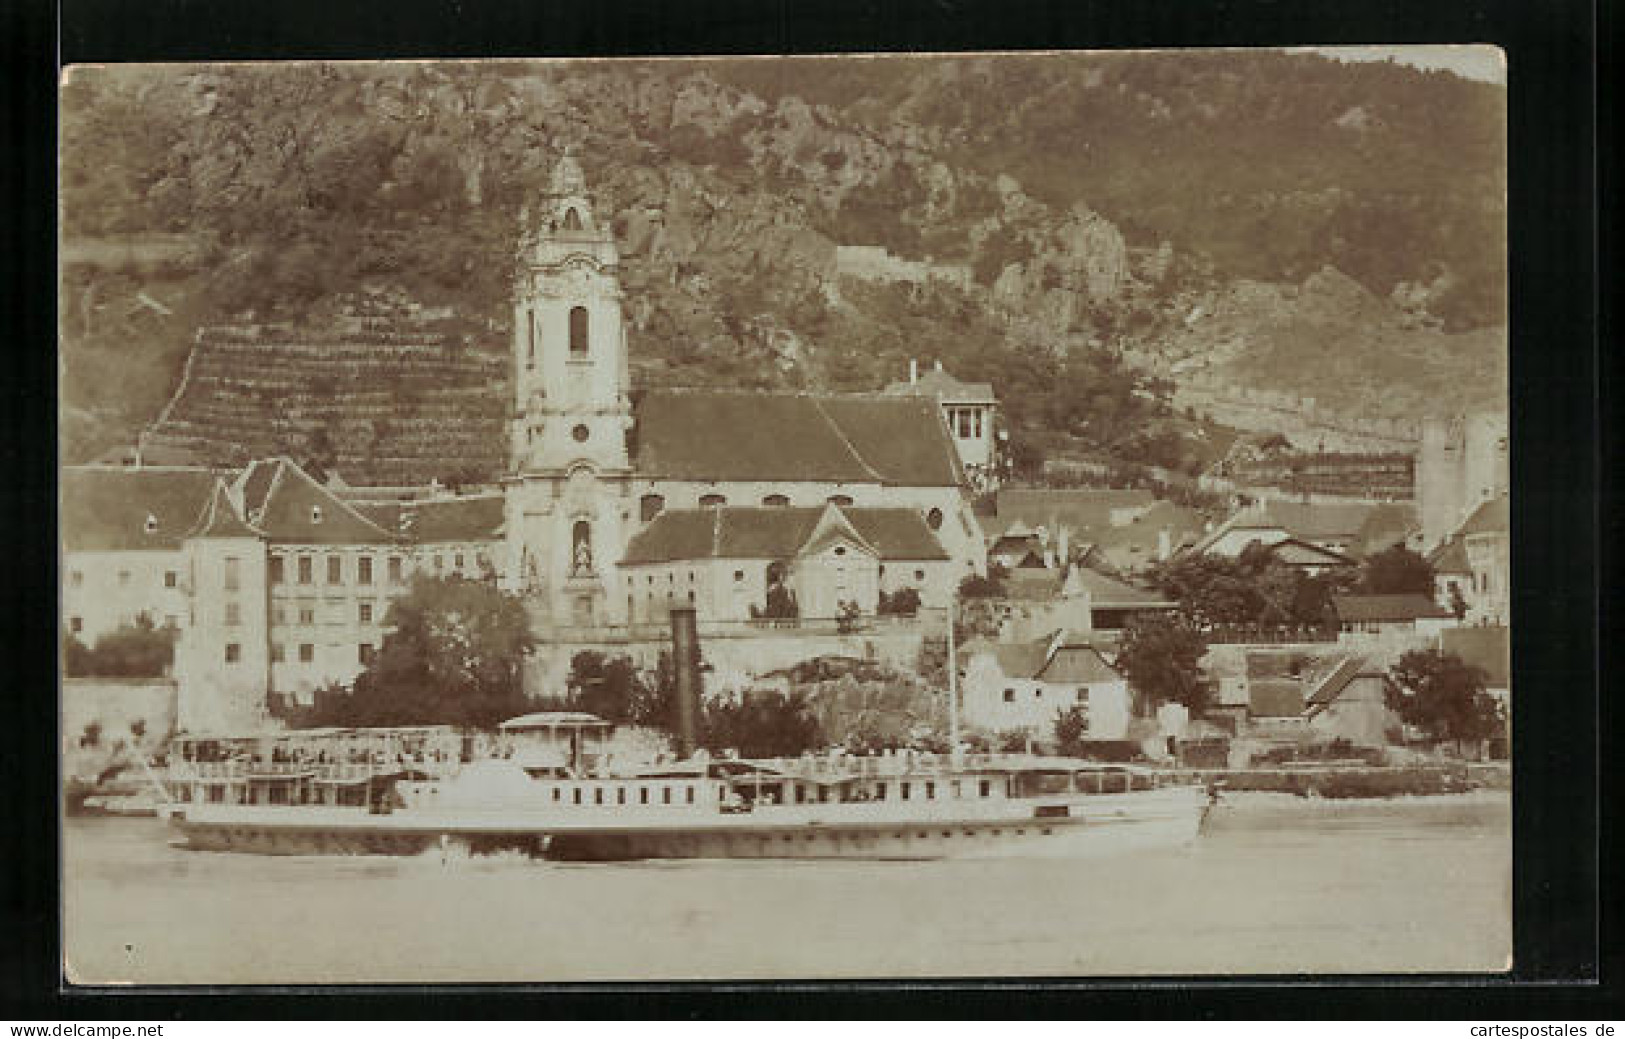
(364, 654)
(307, 652)
(171, 621)
(739, 575)
(649, 506)
(234, 652)
(335, 569)
(439, 563)
(457, 561)
(307, 615)
(530, 343)
(77, 578)
(919, 575)
(572, 219)
(278, 654)
(712, 501)
(232, 576)
(171, 579)
(277, 576)
(395, 570)
(578, 332)
(579, 433)
(76, 624)
(315, 514)
(775, 501)
(1083, 696)
(843, 501)
(123, 577)
(1009, 696)
(933, 519)
(363, 570)
(366, 612)
(234, 615)
(306, 570)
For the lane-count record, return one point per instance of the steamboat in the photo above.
(584, 808)
(549, 787)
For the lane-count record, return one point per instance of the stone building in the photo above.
(593, 467)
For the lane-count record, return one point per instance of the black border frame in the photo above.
(1560, 445)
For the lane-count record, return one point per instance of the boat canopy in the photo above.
(542, 720)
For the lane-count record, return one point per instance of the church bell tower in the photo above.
(569, 488)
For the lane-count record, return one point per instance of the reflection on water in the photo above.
(1276, 885)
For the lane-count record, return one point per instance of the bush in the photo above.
(905, 602)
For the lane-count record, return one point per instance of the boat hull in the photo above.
(1096, 825)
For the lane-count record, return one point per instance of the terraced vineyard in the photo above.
(380, 406)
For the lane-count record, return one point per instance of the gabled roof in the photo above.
(1488, 648)
(220, 518)
(1363, 527)
(1451, 558)
(722, 435)
(1387, 607)
(1491, 517)
(777, 533)
(454, 519)
(1081, 510)
(282, 500)
(1301, 553)
(1062, 659)
(938, 383)
(1076, 663)
(1335, 681)
(834, 528)
(106, 509)
(1110, 593)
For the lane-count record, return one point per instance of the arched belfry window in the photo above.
(530, 339)
(572, 219)
(578, 331)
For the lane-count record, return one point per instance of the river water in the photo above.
(1275, 885)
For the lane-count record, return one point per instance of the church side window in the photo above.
(578, 332)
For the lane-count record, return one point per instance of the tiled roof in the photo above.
(455, 519)
(1302, 553)
(735, 435)
(283, 501)
(1033, 585)
(220, 518)
(775, 533)
(1077, 664)
(1488, 648)
(1451, 558)
(1386, 607)
(938, 383)
(1364, 527)
(1387, 524)
(1274, 697)
(1080, 510)
(1491, 517)
(1108, 592)
(106, 509)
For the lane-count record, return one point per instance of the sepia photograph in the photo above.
(894, 516)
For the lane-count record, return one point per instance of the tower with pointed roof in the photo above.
(569, 487)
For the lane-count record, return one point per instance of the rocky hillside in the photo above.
(1174, 207)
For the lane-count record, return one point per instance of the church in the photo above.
(779, 517)
(617, 509)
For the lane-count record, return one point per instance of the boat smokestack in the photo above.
(685, 658)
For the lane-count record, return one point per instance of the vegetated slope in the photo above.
(1097, 201)
(379, 407)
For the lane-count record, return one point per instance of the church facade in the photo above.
(596, 472)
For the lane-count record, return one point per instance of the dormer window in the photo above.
(315, 514)
(151, 524)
